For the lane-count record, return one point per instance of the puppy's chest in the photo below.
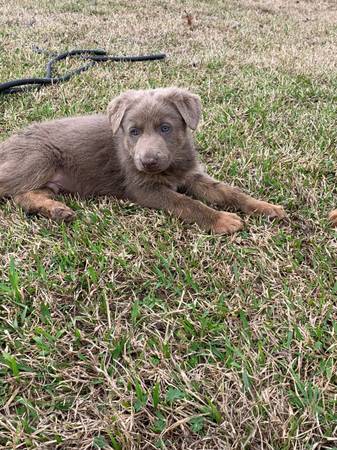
(172, 181)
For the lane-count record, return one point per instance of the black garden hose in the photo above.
(94, 56)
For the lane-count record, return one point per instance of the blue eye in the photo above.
(165, 128)
(134, 131)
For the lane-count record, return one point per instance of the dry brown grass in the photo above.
(299, 35)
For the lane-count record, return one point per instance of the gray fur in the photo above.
(104, 155)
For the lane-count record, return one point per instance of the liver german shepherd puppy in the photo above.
(141, 150)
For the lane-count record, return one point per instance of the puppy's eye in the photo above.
(165, 128)
(134, 131)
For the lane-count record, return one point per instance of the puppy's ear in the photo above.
(188, 105)
(117, 108)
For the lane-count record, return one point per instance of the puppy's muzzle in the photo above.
(150, 164)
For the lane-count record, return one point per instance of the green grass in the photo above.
(130, 330)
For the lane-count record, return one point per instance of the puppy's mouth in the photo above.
(151, 167)
(152, 170)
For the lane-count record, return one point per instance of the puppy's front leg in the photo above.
(187, 209)
(203, 187)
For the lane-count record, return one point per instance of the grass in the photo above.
(131, 330)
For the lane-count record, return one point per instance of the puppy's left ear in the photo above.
(117, 108)
(188, 105)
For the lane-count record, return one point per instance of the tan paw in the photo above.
(62, 214)
(260, 207)
(227, 223)
(333, 217)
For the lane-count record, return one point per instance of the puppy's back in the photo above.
(81, 146)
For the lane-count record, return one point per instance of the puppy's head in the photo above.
(154, 125)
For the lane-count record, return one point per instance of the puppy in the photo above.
(333, 217)
(141, 150)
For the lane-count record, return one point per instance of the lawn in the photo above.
(130, 330)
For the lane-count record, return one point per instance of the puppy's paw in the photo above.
(227, 223)
(333, 217)
(62, 214)
(267, 209)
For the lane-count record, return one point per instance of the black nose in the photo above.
(150, 163)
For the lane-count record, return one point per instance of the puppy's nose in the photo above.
(150, 162)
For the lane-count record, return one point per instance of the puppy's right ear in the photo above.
(117, 108)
